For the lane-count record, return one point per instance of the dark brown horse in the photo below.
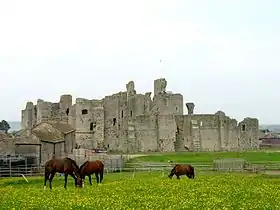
(90, 167)
(182, 169)
(66, 166)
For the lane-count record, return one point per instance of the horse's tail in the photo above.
(101, 173)
(192, 171)
(46, 176)
(102, 165)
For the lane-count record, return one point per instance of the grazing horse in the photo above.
(66, 166)
(90, 167)
(182, 169)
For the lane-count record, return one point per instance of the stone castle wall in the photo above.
(133, 122)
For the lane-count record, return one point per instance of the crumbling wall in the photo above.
(65, 108)
(147, 103)
(181, 137)
(146, 133)
(160, 86)
(209, 131)
(47, 152)
(44, 110)
(233, 134)
(187, 135)
(111, 123)
(167, 103)
(69, 143)
(72, 117)
(124, 115)
(130, 122)
(249, 133)
(85, 122)
(98, 126)
(166, 126)
(59, 151)
(7, 144)
(27, 116)
(132, 105)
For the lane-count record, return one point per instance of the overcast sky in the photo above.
(221, 55)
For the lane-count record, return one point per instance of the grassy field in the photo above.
(146, 191)
(198, 157)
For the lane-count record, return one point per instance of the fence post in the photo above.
(10, 166)
(133, 175)
(25, 165)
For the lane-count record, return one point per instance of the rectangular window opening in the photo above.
(84, 111)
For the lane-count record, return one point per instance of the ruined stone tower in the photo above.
(131, 122)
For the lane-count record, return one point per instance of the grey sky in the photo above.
(221, 55)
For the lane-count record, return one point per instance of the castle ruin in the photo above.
(129, 122)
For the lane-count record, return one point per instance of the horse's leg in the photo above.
(75, 179)
(178, 176)
(47, 174)
(192, 176)
(65, 180)
(97, 178)
(101, 176)
(51, 178)
(89, 179)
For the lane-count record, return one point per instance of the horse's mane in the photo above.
(73, 162)
(83, 164)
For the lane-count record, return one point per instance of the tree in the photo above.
(4, 126)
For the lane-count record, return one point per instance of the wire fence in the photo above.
(24, 170)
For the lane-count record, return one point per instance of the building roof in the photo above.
(270, 135)
(46, 134)
(62, 127)
(52, 132)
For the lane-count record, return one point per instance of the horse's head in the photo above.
(79, 181)
(83, 171)
(82, 179)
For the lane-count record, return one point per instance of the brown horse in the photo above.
(90, 167)
(66, 166)
(182, 169)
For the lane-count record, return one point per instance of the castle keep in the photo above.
(132, 122)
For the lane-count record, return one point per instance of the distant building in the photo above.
(270, 140)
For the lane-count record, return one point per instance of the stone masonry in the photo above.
(129, 122)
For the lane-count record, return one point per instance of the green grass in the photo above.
(199, 157)
(145, 191)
